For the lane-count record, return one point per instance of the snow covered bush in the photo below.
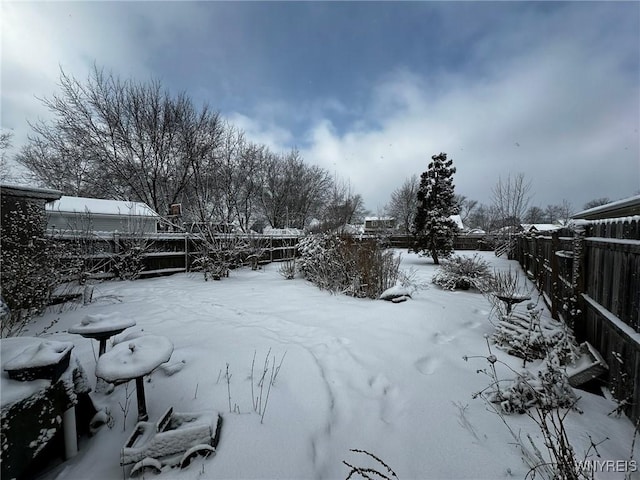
(463, 272)
(530, 336)
(347, 265)
(33, 265)
(547, 399)
(129, 263)
(548, 388)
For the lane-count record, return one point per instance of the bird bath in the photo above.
(101, 328)
(511, 300)
(132, 360)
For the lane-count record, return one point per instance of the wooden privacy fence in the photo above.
(460, 242)
(590, 278)
(167, 253)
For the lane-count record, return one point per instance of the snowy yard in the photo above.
(356, 373)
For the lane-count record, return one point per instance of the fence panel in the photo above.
(597, 273)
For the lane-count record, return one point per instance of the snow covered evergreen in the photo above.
(432, 227)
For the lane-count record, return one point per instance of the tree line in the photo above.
(131, 140)
(510, 206)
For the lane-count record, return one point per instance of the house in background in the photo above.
(98, 215)
(540, 227)
(379, 224)
(457, 219)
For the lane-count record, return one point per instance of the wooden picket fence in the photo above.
(590, 278)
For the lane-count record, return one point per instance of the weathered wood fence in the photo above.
(590, 278)
(167, 253)
(460, 242)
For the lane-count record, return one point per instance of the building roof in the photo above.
(30, 192)
(626, 207)
(98, 206)
(540, 227)
(374, 219)
(458, 221)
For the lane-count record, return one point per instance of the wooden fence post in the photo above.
(555, 287)
(116, 242)
(186, 252)
(578, 274)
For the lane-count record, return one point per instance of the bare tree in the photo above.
(596, 202)
(534, 215)
(404, 203)
(293, 192)
(511, 199)
(466, 207)
(121, 139)
(342, 207)
(5, 144)
(565, 211)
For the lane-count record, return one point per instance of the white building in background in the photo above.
(98, 215)
(379, 224)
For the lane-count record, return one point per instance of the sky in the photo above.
(370, 90)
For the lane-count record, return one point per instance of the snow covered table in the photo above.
(101, 327)
(133, 360)
(41, 385)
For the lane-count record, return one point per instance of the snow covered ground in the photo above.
(356, 373)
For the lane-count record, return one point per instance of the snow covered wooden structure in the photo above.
(45, 403)
(100, 215)
(590, 277)
(19, 200)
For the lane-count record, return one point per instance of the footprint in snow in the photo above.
(427, 365)
(441, 338)
(380, 383)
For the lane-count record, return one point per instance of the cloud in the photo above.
(559, 114)
(38, 39)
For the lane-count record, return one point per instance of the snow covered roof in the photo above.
(372, 219)
(540, 227)
(98, 206)
(621, 208)
(282, 231)
(30, 192)
(458, 220)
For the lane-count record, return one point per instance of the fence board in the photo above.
(606, 284)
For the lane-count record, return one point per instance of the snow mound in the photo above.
(133, 359)
(395, 292)
(41, 354)
(100, 323)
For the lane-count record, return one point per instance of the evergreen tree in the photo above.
(433, 229)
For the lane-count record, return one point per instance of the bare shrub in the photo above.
(381, 470)
(463, 272)
(288, 269)
(347, 265)
(547, 399)
(220, 252)
(130, 261)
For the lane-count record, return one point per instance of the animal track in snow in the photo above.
(427, 365)
(441, 338)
